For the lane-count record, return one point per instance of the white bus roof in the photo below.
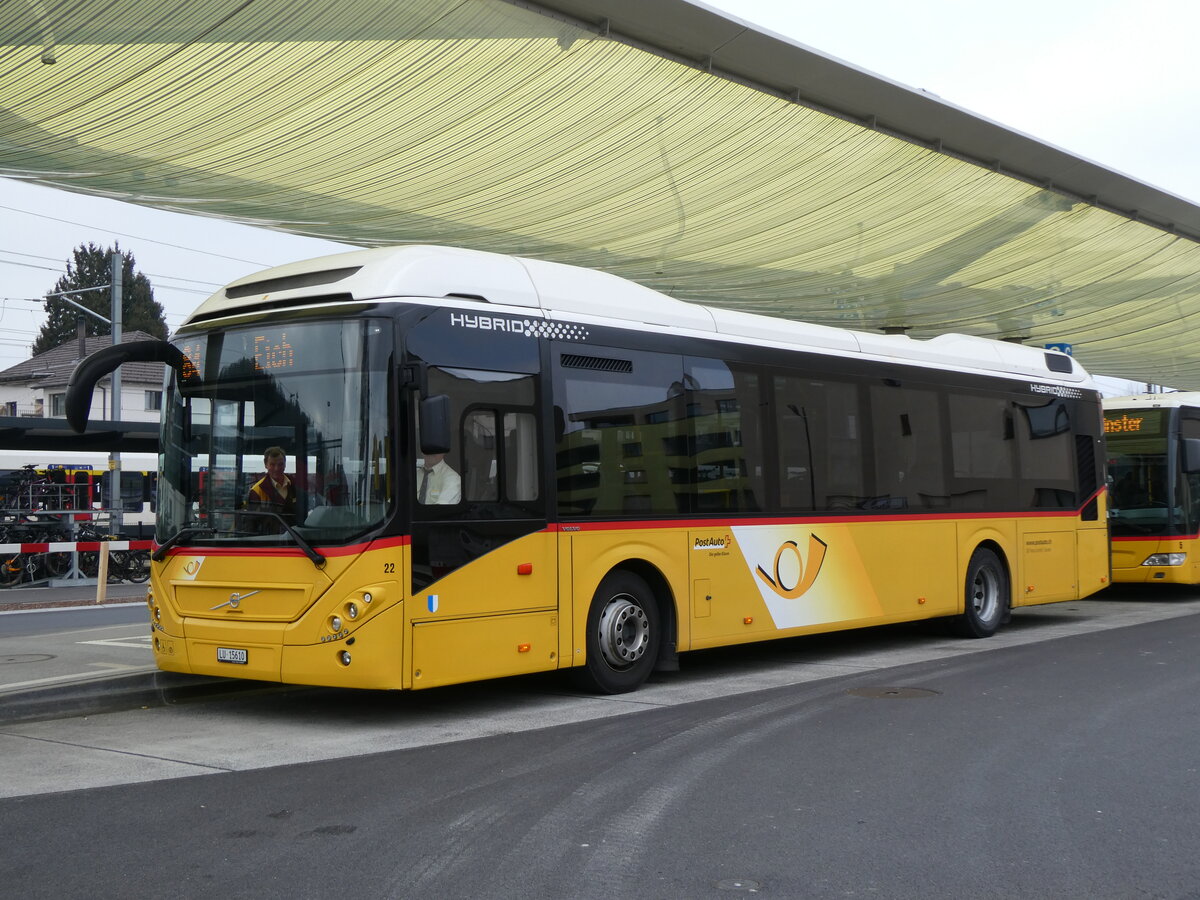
(1154, 401)
(562, 292)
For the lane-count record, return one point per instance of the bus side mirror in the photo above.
(434, 414)
(78, 400)
(1191, 455)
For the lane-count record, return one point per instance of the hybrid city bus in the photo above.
(1153, 450)
(633, 476)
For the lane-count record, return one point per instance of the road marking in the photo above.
(62, 609)
(143, 643)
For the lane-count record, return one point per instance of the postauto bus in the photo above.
(624, 476)
(1153, 450)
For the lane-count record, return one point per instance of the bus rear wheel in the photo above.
(987, 596)
(623, 635)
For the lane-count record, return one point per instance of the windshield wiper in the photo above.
(184, 532)
(317, 559)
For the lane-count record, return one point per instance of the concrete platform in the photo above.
(58, 595)
(76, 651)
(63, 655)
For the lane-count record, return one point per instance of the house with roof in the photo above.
(38, 386)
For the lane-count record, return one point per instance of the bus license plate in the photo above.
(232, 655)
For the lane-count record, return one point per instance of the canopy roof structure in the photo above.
(655, 139)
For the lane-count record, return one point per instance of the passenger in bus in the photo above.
(274, 492)
(437, 482)
(1125, 492)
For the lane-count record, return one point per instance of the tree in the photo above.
(92, 267)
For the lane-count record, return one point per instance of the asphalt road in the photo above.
(1058, 760)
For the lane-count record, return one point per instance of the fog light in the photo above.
(157, 614)
(336, 624)
(1165, 559)
(344, 658)
(352, 611)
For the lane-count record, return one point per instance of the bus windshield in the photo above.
(1140, 495)
(315, 391)
(1148, 495)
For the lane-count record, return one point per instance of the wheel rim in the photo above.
(623, 632)
(985, 594)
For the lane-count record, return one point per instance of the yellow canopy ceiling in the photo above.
(651, 138)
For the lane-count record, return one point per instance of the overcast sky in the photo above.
(1110, 80)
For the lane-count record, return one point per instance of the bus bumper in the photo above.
(368, 657)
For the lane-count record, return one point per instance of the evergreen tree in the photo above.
(92, 267)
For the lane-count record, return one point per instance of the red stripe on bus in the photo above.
(616, 525)
(351, 550)
(816, 518)
(1158, 537)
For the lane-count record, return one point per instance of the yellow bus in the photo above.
(1153, 455)
(632, 476)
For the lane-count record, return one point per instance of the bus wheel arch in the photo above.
(630, 626)
(987, 593)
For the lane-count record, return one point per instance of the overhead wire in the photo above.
(133, 236)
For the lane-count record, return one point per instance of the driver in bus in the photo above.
(274, 492)
(437, 482)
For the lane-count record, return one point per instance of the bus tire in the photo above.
(623, 634)
(986, 596)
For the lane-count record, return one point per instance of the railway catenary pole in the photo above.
(114, 458)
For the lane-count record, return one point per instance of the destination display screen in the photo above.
(270, 351)
(1135, 421)
(193, 359)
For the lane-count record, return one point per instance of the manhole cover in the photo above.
(892, 693)
(24, 657)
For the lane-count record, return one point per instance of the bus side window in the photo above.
(520, 456)
(479, 456)
(483, 456)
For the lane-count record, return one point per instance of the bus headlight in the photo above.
(351, 611)
(1165, 559)
(335, 624)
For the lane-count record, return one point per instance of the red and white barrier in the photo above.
(72, 546)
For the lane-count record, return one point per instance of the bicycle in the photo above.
(33, 491)
(20, 566)
(123, 565)
(129, 565)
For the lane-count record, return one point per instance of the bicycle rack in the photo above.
(47, 526)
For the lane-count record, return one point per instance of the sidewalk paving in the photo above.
(60, 595)
(60, 673)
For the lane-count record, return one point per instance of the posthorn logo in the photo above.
(793, 575)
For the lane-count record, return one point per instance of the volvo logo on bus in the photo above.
(234, 600)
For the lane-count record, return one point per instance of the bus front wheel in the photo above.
(987, 595)
(623, 634)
